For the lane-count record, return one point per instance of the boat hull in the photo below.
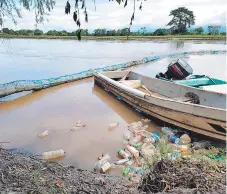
(202, 125)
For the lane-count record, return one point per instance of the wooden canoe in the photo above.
(190, 108)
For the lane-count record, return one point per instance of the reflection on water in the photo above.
(39, 59)
(58, 109)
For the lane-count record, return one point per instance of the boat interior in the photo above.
(198, 89)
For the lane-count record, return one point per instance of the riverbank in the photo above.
(29, 174)
(168, 37)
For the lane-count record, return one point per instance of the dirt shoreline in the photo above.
(22, 173)
(107, 38)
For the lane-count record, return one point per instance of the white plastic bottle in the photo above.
(133, 150)
(53, 154)
(113, 125)
(101, 162)
(106, 166)
(123, 154)
(122, 161)
(44, 134)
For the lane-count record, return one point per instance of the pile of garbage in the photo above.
(144, 149)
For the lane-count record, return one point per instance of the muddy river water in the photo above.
(59, 108)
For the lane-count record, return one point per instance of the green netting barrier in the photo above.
(28, 85)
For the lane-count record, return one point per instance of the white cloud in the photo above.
(113, 16)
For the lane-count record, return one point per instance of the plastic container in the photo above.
(138, 145)
(123, 154)
(133, 150)
(136, 140)
(174, 139)
(167, 131)
(136, 125)
(106, 166)
(130, 162)
(126, 171)
(183, 148)
(44, 134)
(145, 127)
(113, 125)
(185, 139)
(119, 162)
(127, 134)
(53, 154)
(101, 162)
(156, 133)
(150, 140)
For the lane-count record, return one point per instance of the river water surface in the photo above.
(59, 108)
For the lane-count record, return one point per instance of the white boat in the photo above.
(196, 108)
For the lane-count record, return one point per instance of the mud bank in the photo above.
(22, 173)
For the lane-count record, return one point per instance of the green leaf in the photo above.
(119, 1)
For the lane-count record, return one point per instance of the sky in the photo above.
(111, 15)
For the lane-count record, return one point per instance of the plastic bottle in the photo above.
(44, 134)
(144, 127)
(133, 150)
(164, 139)
(126, 171)
(119, 162)
(174, 139)
(130, 162)
(53, 154)
(123, 154)
(167, 131)
(127, 133)
(138, 145)
(101, 162)
(185, 139)
(136, 140)
(113, 125)
(136, 125)
(106, 166)
(78, 124)
(149, 140)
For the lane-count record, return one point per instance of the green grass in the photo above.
(203, 36)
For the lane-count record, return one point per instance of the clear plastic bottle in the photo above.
(167, 131)
(136, 125)
(136, 140)
(127, 133)
(122, 161)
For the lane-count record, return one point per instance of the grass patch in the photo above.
(204, 36)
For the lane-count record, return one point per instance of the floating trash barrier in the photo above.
(29, 85)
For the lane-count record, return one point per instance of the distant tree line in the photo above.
(212, 30)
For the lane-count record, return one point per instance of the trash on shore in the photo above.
(53, 154)
(143, 149)
(44, 134)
